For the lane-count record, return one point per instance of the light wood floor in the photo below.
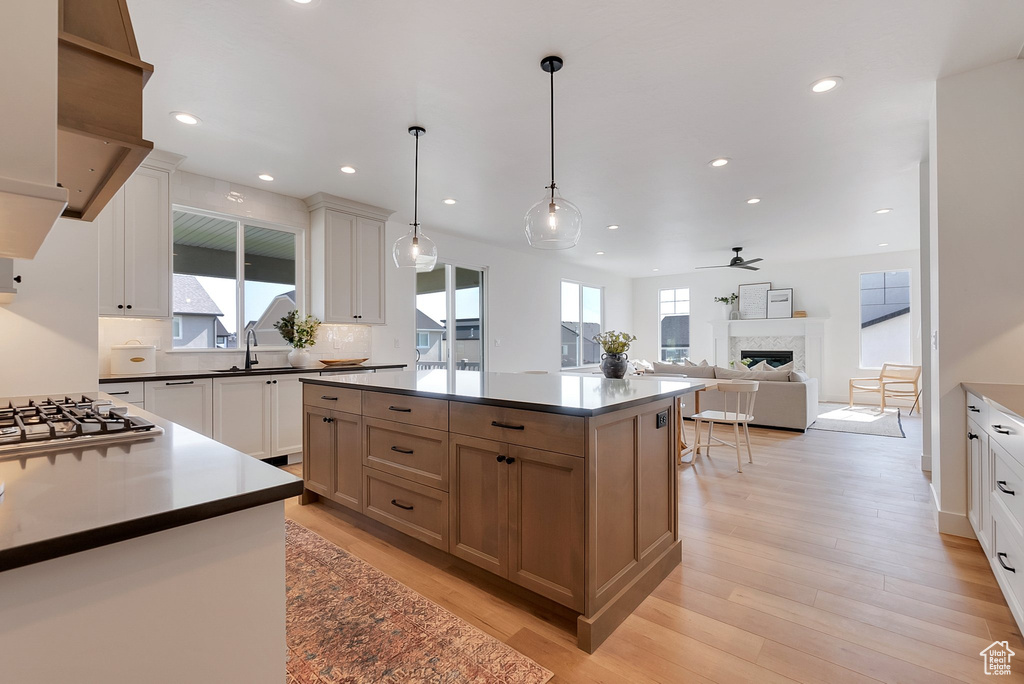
(819, 563)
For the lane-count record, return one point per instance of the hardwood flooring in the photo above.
(819, 563)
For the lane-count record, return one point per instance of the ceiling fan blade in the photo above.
(747, 268)
(750, 261)
(725, 266)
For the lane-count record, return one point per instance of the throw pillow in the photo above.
(763, 365)
(798, 376)
(705, 372)
(783, 367)
(669, 368)
(688, 362)
(766, 376)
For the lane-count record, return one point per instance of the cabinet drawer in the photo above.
(1007, 553)
(1007, 485)
(977, 409)
(548, 431)
(429, 413)
(1007, 432)
(417, 510)
(333, 398)
(415, 453)
(124, 391)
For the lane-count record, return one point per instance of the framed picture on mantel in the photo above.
(780, 303)
(754, 300)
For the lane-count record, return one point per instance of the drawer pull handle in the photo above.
(507, 426)
(327, 398)
(399, 409)
(1001, 430)
(1002, 487)
(974, 409)
(1000, 556)
(501, 459)
(401, 450)
(186, 382)
(117, 394)
(971, 435)
(394, 502)
(510, 460)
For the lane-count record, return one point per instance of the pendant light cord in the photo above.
(552, 72)
(416, 190)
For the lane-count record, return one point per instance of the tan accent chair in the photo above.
(744, 392)
(894, 381)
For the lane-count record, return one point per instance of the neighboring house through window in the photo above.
(582, 318)
(886, 335)
(674, 323)
(176, 327)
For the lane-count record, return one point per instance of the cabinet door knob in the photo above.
(1000, 556)
(268, 382)
(1002, 487)
(501, 459)
(971, 435)
(510, 460)
(120, 306)
(129, 306)
(275, 382)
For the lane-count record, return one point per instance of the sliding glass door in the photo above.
(450, 318)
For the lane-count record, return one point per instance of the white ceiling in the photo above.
(651, 91)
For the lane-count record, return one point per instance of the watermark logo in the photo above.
(997, 658)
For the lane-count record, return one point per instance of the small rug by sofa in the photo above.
(349, 622)
(861, 420)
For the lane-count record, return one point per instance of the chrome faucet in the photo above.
(252, 360)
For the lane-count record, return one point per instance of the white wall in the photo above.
(523, 307)
(827, 288)
(48, 334)
(977, 168)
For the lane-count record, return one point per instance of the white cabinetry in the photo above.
(260, 416)
(188, 403)
(349, 260)
(135, 244)
(130, 392)
(286, 414)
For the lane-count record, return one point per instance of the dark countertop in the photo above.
(578, 395)
(62, 502)
(1006, 398)
(195, 374)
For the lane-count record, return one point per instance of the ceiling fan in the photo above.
(738, 262)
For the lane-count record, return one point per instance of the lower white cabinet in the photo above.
(286, 414)
(188, 403)
(260, 416)
(978, 479)
(133, 393)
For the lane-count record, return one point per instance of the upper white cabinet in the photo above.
(348, 260)
(135, 244)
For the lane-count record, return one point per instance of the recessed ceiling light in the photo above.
(654, 269)
(348, 169)
(266, 177)
(721, 161)
(302, 2)
(613, 227)
(826, 84)
(186, 118)
(885, 210)
(450, 200)
(754, 200)
(599, 253)
(883, 244)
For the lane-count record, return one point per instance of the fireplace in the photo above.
(773, 357)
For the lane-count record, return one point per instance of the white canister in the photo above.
(132, 359)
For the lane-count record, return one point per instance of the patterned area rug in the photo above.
(862, 420)
(349, 622)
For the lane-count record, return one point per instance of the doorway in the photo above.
(450, 318)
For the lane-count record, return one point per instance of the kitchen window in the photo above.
(231, 277)
(886, 332)
(582, 318)
(674, 323)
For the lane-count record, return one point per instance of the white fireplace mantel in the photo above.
(811, 330)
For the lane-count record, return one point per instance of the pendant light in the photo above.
(414, 249)
(554, 222)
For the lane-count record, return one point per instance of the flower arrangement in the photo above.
(296, 331)
(731, 299)
(614, 342)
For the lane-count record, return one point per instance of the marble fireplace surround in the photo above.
(805, 337)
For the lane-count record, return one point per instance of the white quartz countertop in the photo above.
(1006, 398)
(584, 395)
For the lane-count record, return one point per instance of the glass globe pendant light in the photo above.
(554, 222)
(414, 249)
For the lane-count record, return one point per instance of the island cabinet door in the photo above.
(318, 457)
(478, 509)
(546, 514)
(348, 459)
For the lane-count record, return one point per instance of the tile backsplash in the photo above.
(333, 341)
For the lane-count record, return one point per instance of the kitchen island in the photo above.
(564, 485)
(157, 559)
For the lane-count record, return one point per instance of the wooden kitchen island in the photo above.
(561, 484)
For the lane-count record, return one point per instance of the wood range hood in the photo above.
(100, 78)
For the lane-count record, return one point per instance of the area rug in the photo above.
(349, 622)
(861, 420)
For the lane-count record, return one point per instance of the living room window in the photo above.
(886, 335)
(674, 323)
(582, 317)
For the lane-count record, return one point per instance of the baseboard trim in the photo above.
(955, 524)
(926, 463)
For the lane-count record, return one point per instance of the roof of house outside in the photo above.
(425, 322)
(190, 297)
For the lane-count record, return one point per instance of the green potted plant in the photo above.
(727, 303)
(615, 344)
(300, 333)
